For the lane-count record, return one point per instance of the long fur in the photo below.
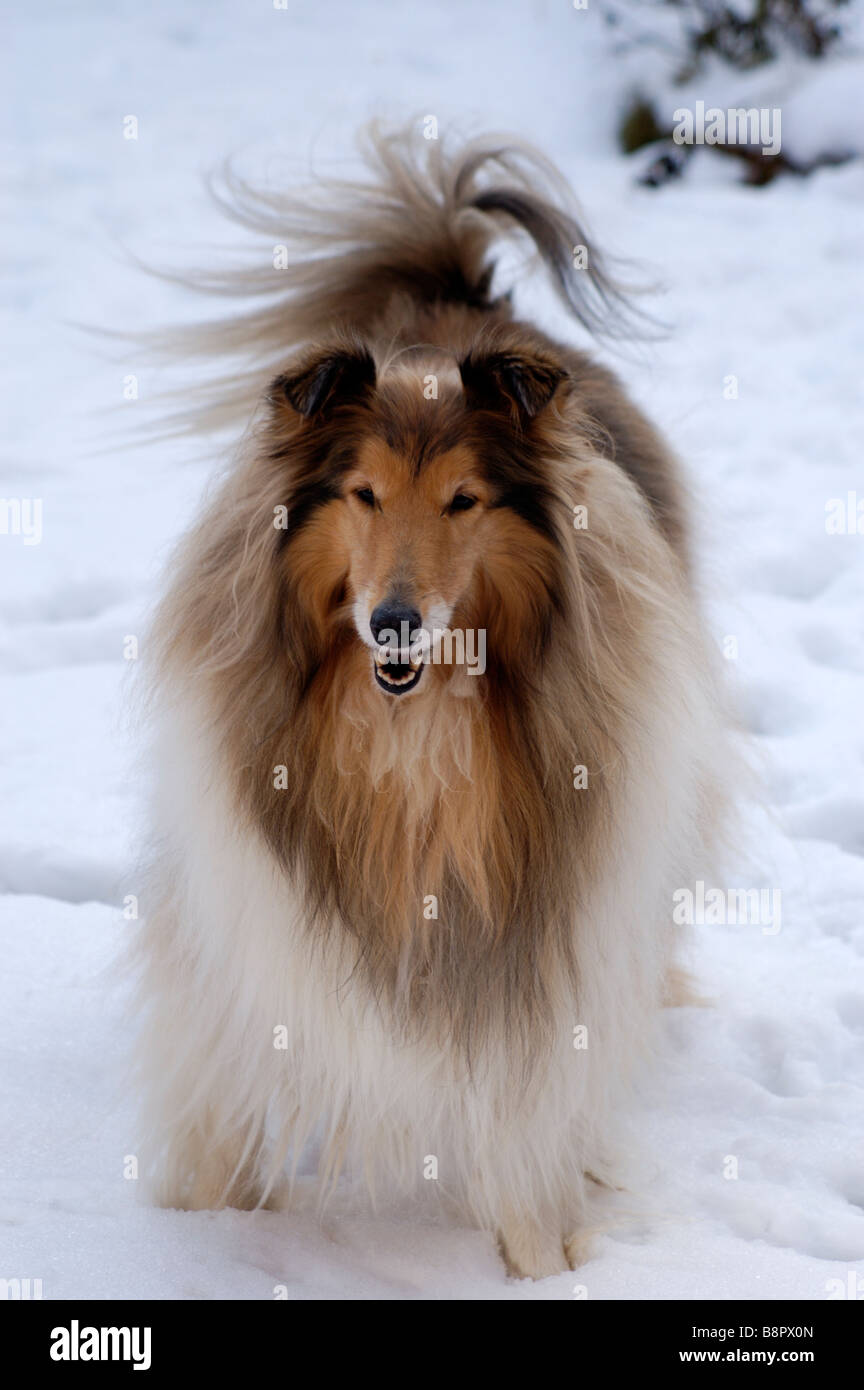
(294, 983)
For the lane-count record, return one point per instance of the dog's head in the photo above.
(421, 520)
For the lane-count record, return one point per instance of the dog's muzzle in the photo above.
(398, 662)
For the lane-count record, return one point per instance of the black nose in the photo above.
(388, 618)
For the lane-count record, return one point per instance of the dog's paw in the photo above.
(530, 1252)
(578, 1248)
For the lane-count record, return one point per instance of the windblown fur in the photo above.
(379, 918)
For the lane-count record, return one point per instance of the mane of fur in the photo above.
(475, 806)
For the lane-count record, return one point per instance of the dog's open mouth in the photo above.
(397, 677)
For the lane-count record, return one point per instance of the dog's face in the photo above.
(415, 516)
(413, 542)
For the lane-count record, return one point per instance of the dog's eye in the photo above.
(462, 502)
(365, 495)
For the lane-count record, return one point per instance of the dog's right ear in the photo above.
(330, 378)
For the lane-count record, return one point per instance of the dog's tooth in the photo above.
(410, 667)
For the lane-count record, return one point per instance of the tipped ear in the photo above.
(520, 382)
(331, 378)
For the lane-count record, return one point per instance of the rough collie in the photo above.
(415, 907)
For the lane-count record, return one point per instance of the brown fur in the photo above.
(267, 619)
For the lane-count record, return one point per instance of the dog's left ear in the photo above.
(522, 383)
(329, 378)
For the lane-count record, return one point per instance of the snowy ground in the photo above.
(761, 286)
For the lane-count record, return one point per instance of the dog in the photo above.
(414, 909)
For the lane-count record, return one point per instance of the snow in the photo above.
(760, 286)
